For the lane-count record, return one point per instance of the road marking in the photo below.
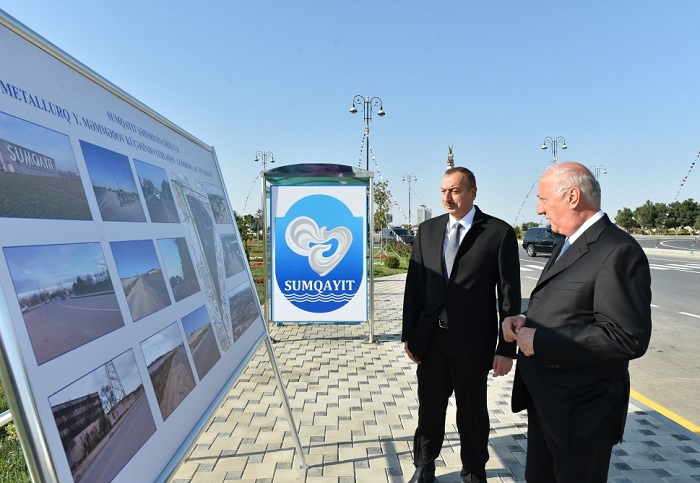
(656, 306)
(691, 315)
(665, 412)
(530, 268)
(671, 266)
(531, 278)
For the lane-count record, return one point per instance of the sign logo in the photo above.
(305, 238)
(318, 259)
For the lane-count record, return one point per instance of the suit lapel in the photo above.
(553, 257)
(577, 249)
(438, 237)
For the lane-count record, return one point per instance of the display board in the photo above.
(318, 246)
(127, 305)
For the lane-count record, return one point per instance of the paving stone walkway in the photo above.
(355, 406)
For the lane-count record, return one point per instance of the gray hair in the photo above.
(574, 175)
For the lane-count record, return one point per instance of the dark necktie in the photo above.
(452, 248)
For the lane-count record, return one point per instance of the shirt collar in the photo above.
(587, 224)
(466, 221)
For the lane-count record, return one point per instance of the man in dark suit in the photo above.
(588, 315)
(451, 326)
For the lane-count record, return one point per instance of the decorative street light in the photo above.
(597, 169)
(264, 156)
(553, 141)
(367, 106)
(409, 177)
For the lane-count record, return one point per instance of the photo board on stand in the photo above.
(126, 303)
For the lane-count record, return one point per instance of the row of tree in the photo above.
(681, 216)
(250, 225)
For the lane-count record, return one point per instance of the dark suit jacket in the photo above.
(592, 312)
(486, 264)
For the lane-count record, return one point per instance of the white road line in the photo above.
(655, 306)
(680, 268)
(684, 268)
(691, 315)
(532, 278)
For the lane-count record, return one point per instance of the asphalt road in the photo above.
(669, 373)
(126, 439)
(62, 325)
(148, 295)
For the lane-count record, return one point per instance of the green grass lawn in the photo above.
(13, 468)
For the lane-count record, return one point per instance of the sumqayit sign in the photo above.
(318, 243)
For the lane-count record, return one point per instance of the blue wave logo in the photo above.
(318, 254)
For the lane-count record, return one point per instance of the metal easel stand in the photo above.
(268, 338)
(285, 401)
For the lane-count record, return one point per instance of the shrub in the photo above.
(391, 262)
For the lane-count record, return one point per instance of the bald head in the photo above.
(568, 175)
(568, 195)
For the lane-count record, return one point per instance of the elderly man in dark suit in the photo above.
(588, 315)
(461, 263)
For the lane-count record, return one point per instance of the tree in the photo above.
(258, 221)
(685, 212)
(646, 216)
(382, 204)
(625, 219)
(243, 229)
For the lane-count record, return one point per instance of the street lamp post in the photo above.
(553, 141)
(367, 106)
(264, 156)
(409, 177)
(598, 169)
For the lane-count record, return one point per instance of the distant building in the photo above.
(424, 213)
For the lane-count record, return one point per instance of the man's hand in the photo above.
(410, 354)
(501, 365)
(514, 330)
(511, 326)
(526, 340)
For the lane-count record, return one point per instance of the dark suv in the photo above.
(540, 240)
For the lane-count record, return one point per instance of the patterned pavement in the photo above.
(355, 406)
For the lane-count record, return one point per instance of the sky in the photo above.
(617, 80)
(46, 267)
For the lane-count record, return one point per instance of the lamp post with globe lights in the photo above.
(409, 177)
(367, 106)
(599, 169)
(554, 141)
